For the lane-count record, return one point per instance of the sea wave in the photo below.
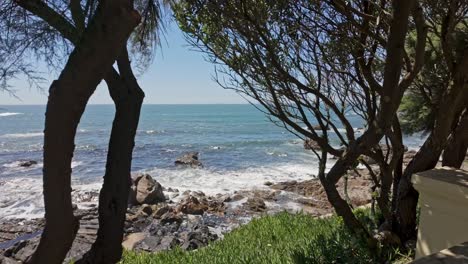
(22, 135)
(9, 114)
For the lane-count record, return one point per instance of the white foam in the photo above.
(9, 114)
(226, 181)
(22, 197)
(75, 164)
(22, 135)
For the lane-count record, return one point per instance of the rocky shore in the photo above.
(160, 218)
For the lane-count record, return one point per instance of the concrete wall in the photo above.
(444, 209)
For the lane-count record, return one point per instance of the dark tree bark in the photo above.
(100, 45)
(128, 98)
(453, 102)
(455, 152)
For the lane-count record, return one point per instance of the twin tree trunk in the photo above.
(128, 98)
(99, 47)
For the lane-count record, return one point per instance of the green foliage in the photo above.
(415, 114)
(283, 238)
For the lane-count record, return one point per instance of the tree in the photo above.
(123, 88)
(99, 46)
(309, 64)
(449, 98)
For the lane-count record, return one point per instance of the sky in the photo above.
(178, 75)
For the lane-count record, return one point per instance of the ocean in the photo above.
(238, 145)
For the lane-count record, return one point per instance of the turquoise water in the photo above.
(238, 145)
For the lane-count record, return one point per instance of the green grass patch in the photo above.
(282, 238)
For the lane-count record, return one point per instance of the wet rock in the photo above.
(268, 183)
(311, 144)
(255, 204)
(27, 163)
(189, 159)
(146, 190)
(191, 205)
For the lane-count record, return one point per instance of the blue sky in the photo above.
(178, 75)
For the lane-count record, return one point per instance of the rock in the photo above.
(306, 201)
(200, 237)
(284, 185)
(237, 197)
(27, 163)
(146, 190)
(5, 260)
(149, 243)
(189, 159)
(146, 209)
(133, 239)
(161, 211)
(255, 204)
(311, 144)
(167, 243)
(268, 183)
(170, 217)
(224, 198)
(191, 205)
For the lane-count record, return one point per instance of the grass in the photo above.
(282, 238)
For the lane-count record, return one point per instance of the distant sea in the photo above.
(238, 145)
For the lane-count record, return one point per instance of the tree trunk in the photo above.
(452, 103)
(455, 152)
(99, 47)
(113, 198)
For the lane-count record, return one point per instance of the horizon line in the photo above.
(246, 103)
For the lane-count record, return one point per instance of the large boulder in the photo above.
(189, 159)
(146, 190)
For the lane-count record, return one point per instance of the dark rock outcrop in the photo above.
(27, 163)
(189, 159)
